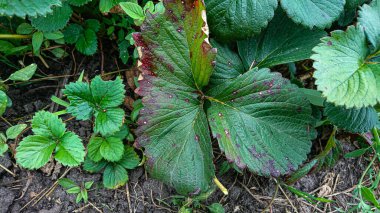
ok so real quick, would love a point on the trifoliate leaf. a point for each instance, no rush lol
(3, 102)
(281, 42)
(23, 8)
(14, 131)
(261, 122)
(108, 121)
(37, 39)
(101, 100)
(228, 64)
(114, 176)
(349, 12)
(54, 21)
(313, 13)
(34, 151)
(87, 42)
(112, 149)
(48, 125)
(92, 166)
(70, 150)
(94, 149)
(353, 120)
(78, 3)
(107, 93)
(235, 20)
(369, 18)
(172, 125)
(130, 158)
(72, 33)
(342, 72)
(24, 74)
(24, 29)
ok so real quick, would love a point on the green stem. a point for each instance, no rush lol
(376, 136)
(14, 36)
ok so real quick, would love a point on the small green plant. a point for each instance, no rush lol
(138, 13)
(72, 188)
(50, 136)
(11, 134)
(23, 74)
(101, 100)
(114, 171)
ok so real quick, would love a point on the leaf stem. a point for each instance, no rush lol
(220, 186)
(376, 136)
(14, 36)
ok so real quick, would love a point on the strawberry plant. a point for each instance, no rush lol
(72, 188)
(191, 84)
(11, 134)
(50, 136)
(101, 100)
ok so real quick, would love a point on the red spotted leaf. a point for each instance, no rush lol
(176, 60)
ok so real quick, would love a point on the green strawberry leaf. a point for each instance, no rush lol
(92, 166)
(281, 42)
(70, 150)
(22, 8)
(94, 149)
(107, 93)
(3, 102)
(109, 121)
(72, 33)
(87, 42)
(24, 29)
(172, 125)
(24, 74)
(133, 10)
(34, 151)
(369, 18)
(313, 13)
(349, 12)
(130, 159)
(114, 176)
(48, 125)
(235, 20)
(228, 66)
(54, 21)
(342, 72)
(353, 120)
(14, 131)
(81, 100)
(112, 149)
(261, 122)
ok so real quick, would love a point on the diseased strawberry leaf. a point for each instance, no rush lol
(261, 122)
(176, 61)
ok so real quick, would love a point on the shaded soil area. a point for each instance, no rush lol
(36, 191)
